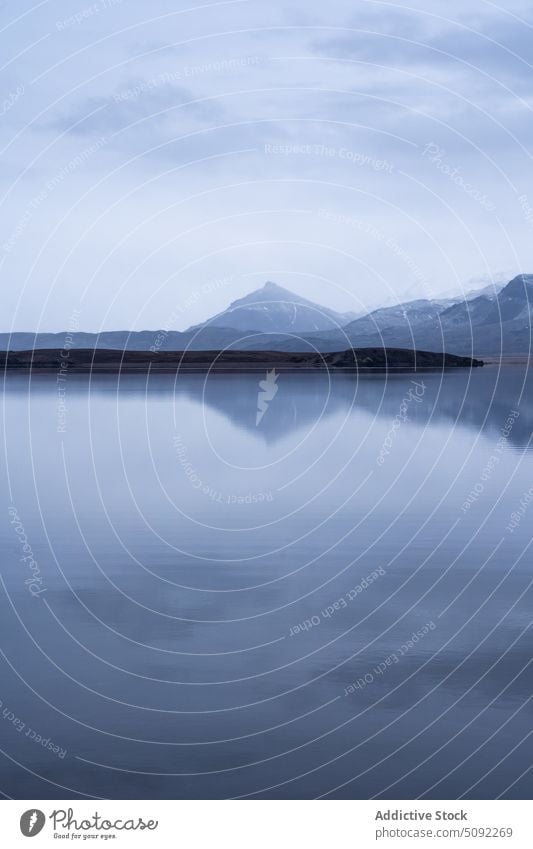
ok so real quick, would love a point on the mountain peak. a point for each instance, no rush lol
(271, 292)
(520, 286)
(273, 309)
(523, 278)
(272, 289)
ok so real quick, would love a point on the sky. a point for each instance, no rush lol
(160, 160)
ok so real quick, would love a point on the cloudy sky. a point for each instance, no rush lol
(164, 158)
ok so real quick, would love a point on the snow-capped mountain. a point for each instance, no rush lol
(272, 318)
(486, 324)
(273, 309)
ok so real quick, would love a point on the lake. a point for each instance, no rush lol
(329, 599)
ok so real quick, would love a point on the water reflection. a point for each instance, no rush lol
(198, 640)
(481, 399)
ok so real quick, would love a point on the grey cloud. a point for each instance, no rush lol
(124, 75)
(153, 102)
(500, 48)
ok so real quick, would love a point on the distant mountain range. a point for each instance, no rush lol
(492, 321)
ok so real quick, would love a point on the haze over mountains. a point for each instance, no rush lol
(273, 318)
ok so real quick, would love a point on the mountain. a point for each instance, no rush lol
(272, 318)
(489, 285)
(484, 325)
(123, 340)
(273, 309)
(268, 310)
(413, 312)
(491, 290)
(487, 324)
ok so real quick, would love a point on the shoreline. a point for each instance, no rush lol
(110, 361)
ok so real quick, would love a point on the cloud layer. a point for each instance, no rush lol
(358, 153)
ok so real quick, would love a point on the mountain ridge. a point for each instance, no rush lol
(483, 325)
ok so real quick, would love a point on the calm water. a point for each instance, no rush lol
(211, 607)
